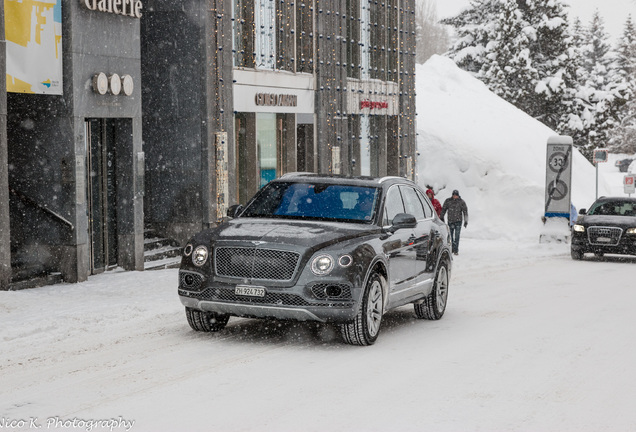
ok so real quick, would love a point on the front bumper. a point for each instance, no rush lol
(314, 301)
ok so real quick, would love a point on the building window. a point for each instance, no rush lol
(365, 40)
(304, 36)
(353, 38)
(265, 40)
(243, 29)
(377, 40)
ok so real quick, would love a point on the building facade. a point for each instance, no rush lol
(265, 87)
(173, 110)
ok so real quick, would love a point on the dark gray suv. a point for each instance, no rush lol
(608, 227)
(320, 248)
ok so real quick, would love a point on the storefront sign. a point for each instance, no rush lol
(272, 99)
(131, 8)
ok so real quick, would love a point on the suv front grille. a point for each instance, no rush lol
(607, 236)
(252, 263)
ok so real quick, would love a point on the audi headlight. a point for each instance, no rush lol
(578, 228)
(322, 265)
(199, 256)
(631, 231)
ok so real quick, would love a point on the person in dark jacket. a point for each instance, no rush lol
(436, 205)
(457, 211)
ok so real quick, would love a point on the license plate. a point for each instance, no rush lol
(603, 239)
(250, 291)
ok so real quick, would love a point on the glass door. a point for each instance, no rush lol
(102, 194)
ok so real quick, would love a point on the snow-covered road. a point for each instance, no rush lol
(531, 341)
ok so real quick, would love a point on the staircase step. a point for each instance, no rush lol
(35, 282)
(165, 263)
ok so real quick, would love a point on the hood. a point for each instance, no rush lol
(430, 193)
(291, 232)
(622, 221)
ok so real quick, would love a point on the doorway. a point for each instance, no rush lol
(102, 194)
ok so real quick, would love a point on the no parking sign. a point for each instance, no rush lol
(629, 182)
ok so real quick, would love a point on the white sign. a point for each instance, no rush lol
(558, 176)
(629, 182)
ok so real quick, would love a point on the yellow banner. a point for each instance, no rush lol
(34, 46)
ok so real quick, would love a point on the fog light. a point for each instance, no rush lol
(333, 291)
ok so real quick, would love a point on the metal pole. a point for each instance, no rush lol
(596, 164)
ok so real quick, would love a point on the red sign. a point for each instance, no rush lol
(373, 104)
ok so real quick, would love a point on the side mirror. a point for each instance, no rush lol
(403, 220)
(234, 210)
(583, 211)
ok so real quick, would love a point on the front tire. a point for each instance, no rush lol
(206, 321)
(364, 329)
(576, 254)
(434, 305)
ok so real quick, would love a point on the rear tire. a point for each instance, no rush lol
(206, 321)
(364, 329)
(434, 305)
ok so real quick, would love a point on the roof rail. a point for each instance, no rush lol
(386, 178)
(294, 174)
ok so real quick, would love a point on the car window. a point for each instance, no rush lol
(613, 208)
(428, 210)
(392, 206)
(412, 202)
(314, 201)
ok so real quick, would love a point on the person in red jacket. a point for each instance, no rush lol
(436, 205)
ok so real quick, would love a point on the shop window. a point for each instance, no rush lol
(266, 137)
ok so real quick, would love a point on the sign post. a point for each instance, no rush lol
(600, 155)
(629, 183)
(558, 177)
(558, 182)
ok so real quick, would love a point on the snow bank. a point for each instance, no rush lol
(472, 140)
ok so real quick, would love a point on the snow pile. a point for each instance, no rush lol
(495, 155)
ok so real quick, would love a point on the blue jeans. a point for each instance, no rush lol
(455, 229)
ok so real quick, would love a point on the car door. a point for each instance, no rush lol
(398, 246)
(422, 238)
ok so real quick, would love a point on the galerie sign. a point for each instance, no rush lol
(131, 8)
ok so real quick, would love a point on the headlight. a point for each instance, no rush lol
(631, 231)
(199, 256)
(322, 265)
(578, 228)
(187, 251)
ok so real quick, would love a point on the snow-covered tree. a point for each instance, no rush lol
(526, 52)
(474, 27)
(431, 36)
(623, 137)
(603, 90)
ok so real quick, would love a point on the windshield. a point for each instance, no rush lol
(614, 208)
(314, 201)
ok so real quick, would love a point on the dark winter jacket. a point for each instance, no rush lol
(456, 208)
(436, 205)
